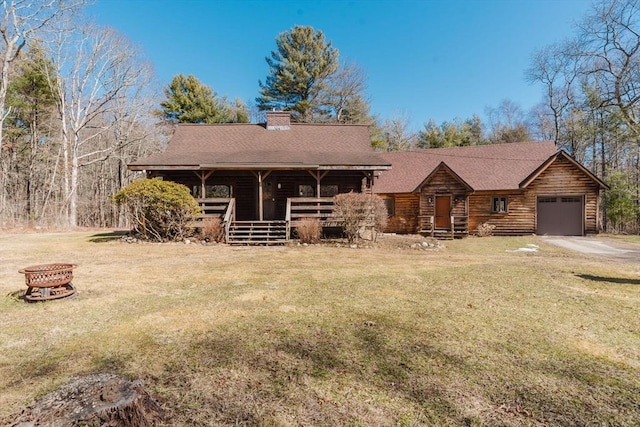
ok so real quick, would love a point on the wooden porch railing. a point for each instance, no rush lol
(215, 207)
(320, 208)
(459, 226)
(229, 216)
(218, 207)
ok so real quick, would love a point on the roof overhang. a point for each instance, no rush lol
(256, 166)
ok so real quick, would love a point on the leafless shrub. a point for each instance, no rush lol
(309, 230)
(212, 230)
(358, 210)
(485, 229)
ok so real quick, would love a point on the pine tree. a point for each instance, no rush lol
(189, 101)
(29, 127)
(298, 74)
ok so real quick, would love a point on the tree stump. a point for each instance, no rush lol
(96, 400)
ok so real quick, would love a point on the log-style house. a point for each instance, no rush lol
(519, 188)
(262, 178)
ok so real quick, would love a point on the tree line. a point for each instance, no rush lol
(78, 102)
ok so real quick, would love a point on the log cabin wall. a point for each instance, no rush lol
(519, 218)
(443, 183)
(404, 219)
(563, 178)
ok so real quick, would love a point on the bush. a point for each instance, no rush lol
(485, 229)
(158, 210)
(212, 230)
(309, 230)
(357, 210)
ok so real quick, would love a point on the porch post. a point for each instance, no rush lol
(260, 201)
(203, 179)
(369, 175)
(261, 179)
(203, 191)
(318, 176)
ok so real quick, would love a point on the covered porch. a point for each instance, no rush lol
(262, 231)
(263, 206)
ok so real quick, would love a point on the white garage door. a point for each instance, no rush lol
(560, 216)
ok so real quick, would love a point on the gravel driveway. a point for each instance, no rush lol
(597, 246)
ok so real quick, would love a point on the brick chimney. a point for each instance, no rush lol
(278, 120)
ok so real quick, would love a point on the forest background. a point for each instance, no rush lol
(78, 102)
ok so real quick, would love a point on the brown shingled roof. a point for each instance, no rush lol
(254, 146)
(482, 167)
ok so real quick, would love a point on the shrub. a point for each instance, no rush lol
(212, 230)
(485, 229)
(309, 230)
(158, 210)
(357, 210)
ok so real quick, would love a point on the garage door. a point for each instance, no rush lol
(560, 216)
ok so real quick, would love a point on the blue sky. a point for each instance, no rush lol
(423, 59)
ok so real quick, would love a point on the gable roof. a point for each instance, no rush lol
(254, 146)
(481, 167)
(443, 166)
(536, 173)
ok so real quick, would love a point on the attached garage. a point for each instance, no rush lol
(560, 216)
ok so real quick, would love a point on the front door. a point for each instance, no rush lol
(269, 198)
(443, 212)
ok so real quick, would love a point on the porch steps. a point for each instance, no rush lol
(444, 234)
(257, 233)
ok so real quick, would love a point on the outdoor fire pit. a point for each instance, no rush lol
(48, 281)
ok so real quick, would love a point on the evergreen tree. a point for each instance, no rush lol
(619, 201)
(30, 126)
(189, 101)
(451, 134)
(299, 71)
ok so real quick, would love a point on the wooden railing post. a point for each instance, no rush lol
(287, 217)
(433, 225)
(453, 226)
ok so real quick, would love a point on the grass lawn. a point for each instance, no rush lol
(471, 334)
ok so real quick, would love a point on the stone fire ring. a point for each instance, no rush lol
(48, 281)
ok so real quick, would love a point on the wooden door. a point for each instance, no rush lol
(269, 198)
(443, 212)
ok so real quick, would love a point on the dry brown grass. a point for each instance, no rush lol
(471, 334)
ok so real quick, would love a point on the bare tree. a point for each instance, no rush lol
(98, 70)
(345, 95)
(507, 123)
(394, 135)
(608, 50)
(557, 72)
(21, 21)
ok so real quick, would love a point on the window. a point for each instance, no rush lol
(212, 191)
(391, 206)
(306, 191)
(547, 199)
(328, 190)
(571, 200)
(218, 191)
(499, 205)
